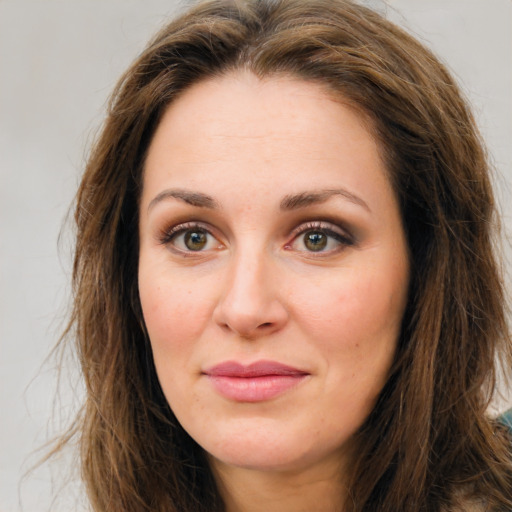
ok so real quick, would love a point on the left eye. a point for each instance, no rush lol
(318, 240)
(194, 239)
(315, 241)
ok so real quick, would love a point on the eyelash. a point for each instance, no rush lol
(326, 228)
(169, 235)
(343, 239)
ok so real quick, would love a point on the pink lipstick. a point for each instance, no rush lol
(256, 382)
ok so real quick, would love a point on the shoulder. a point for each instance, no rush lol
(506, 419)
(462, 504)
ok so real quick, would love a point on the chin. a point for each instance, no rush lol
(270, 451)
(261, 459)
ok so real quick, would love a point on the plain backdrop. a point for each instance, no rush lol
(59, 60)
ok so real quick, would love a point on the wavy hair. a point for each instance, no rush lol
(428, 439)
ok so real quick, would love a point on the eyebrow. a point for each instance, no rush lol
(193, 198)
(303, 199)
(288, 203)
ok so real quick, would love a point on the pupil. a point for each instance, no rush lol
(315, 241)
(195, 240)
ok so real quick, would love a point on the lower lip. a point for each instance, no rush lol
(254, 389)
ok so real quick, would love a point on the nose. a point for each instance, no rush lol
(250, 305)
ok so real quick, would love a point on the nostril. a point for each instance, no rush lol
(250, 318)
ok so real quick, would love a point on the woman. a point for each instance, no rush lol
(286, 294)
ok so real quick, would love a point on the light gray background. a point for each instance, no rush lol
(58, 62)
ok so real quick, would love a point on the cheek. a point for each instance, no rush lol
(174, 310)
(355, 322)
(175, 314)
(355, 310)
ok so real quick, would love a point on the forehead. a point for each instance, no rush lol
(253, 105)
(239, 130)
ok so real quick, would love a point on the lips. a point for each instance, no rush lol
(257, 382)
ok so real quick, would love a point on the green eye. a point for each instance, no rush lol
(315, 241)
(195, 240)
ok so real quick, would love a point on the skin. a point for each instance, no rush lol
(256, 290)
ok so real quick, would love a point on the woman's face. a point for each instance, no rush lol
(273, 270)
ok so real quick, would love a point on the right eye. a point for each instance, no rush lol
(191, 238)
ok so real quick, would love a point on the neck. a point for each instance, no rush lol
(248, 490)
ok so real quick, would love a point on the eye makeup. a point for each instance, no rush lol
(314, 238)
(319, 238)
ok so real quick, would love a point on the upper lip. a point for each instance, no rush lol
(256, 369)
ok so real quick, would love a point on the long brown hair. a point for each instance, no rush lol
(428, 439)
